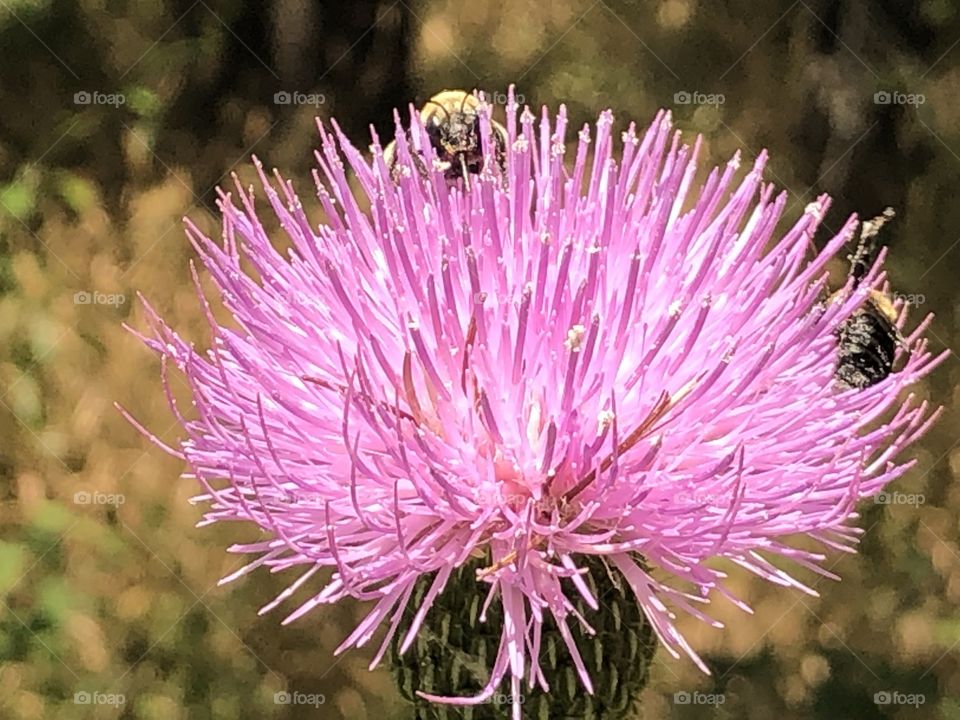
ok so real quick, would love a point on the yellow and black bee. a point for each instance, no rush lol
(452, 122)
(867, 340)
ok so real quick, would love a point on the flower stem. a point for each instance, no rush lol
(454, 651)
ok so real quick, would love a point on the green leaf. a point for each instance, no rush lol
(11, 565)
(53, 518)
(78, 192)
(17, 199)
(55, 598)
(143, 101)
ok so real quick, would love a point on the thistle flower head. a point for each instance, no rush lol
(593, 353)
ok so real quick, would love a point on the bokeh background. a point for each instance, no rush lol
(119, 118)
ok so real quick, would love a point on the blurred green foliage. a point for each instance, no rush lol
(120, 598)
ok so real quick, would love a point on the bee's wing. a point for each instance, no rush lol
(390, 154)
(500, 137)
(391, 159)
(500, 142)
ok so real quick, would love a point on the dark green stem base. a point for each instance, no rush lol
(453, 651)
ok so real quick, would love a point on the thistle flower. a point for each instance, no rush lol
(591, 366)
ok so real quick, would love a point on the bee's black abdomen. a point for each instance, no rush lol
(867, 342)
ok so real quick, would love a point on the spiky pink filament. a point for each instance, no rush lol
(610, 360)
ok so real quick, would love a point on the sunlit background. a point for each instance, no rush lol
(119, 118)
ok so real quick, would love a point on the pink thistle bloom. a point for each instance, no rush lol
(593, 355)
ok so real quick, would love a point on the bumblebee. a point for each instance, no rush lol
(867, 340)
(452, 121)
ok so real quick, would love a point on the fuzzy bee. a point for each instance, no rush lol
(452, 121)
(867, 340)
